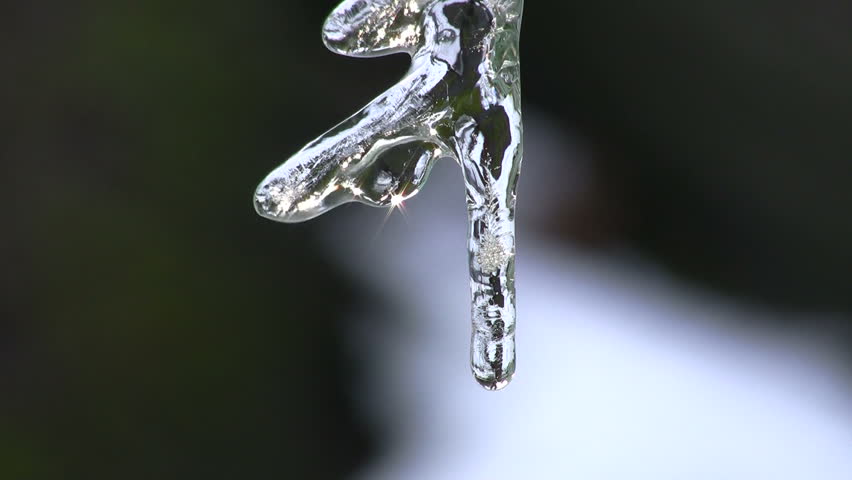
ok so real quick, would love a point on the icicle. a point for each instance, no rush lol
(461, 99)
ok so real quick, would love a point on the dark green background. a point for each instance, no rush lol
(152, 326)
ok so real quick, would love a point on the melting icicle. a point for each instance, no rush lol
(461, 99)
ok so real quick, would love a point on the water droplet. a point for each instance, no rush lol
(446, 36)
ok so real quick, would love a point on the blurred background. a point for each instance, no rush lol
(685, 252)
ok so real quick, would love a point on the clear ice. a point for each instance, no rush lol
(460, 99)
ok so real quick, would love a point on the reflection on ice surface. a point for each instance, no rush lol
(623, 373)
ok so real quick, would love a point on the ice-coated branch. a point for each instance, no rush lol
(461, 99)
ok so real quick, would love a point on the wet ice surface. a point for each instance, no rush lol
(627, 373)
(461, 100)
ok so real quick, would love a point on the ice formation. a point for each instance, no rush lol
(461, 99)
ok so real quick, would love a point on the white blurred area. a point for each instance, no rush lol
(622, 372)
